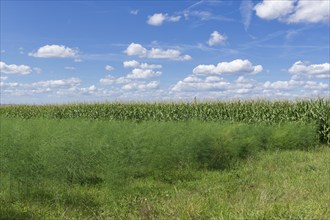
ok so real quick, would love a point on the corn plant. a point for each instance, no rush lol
(316, 111)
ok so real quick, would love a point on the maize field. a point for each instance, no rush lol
(273, 112)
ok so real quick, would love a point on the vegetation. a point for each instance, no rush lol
(271, 185)
(238, 111)
(244, 160)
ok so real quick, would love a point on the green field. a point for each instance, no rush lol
(226, 160)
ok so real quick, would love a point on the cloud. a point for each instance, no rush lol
(15, 69)
(6, 85)
(158, 19)
(78, 91)
(52, 88)
(48, 84)
(69, 68)
(130, 83)
(300, 84)
(193, 84)
(216, 38)
(108, 80)
(136, 64)
(311, 12)
(37, 70)
(274, 9)
(295, 88)
(155, 53)
(215, 87)
(205, 15)
(277, 85)
(316, 70)
(136, 80)
(246, 9)
(141, 86)
(109, 68)
(21, 50)
(131, 64)
(136, 50)
(234, 67)
(174, 18)
(141, 71)
(143, 74)
(203, 84)
(3, 78)
(134, 12)
(58, 83)
(55, 51)
(294, 11)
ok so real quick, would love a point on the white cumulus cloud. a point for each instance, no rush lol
(294, 11)
(131, 64)
(142, 70)
(316, 70)
(299, 86)
(195, 84)
(141, 85)
(155, 53)
(216, 38)
(311, 12)
(150, 66)
(136, 64)
(136, 79)
(55, 51)
(79, 91)
(108, 80)
(15, 69)
(109, 68)
(136, 50)
(237, 66)
(143, 74)
(51, 88)
(58, 83)
(215, 87)
(274, 9)
(158, 19)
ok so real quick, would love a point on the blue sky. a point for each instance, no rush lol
(82, 51)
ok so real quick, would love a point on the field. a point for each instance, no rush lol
(221, 160)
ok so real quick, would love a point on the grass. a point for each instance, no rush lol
(83, 169)
(250, 111)
(273, 185)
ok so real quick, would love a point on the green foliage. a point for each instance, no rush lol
(274, 112)
(159, 160)
(273, 185)
(92, 152)
(292, 136)
(234, 142)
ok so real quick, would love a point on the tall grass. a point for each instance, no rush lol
(274, 112)
(90, 168)
(91, 152)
